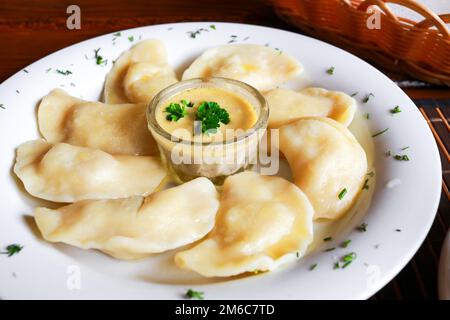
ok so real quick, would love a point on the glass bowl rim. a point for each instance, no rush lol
(261, 122)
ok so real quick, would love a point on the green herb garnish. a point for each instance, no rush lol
(330, 70)
(336, 265)
(330, 249)
(131, 38)
(346, 243)
(342, 194)
(1, 106)
(12, 249)
(395, 110)
(367, 116)
(194, 34)
(398, 230)
(117, 34)
(192, 294)
(211, 115)
(175, 111)
(354, 94)
(48, 70)
(213, 27)
(328, 239)
(312, 267)
(98, 58)
(362, 227)
(379, 132)
(347, 259)
(187, 104)
(403, 149)
(403, 157)
(367, 97)
(366, 185)
(64, 72)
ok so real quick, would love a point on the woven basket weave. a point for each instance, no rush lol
(421, 50)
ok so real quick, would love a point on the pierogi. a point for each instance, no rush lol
(139, 74)
(263, 221)
(135, 227)
(113, 128)
(327, 163)
(288, 105)
(65, 173)
(259, 66)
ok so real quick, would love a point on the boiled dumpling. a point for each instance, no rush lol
(139, 74)
(116, 129)
(288, 105)
(66, 173)
(259, 66)
(134, 227)
(327, 163)
(263, 221)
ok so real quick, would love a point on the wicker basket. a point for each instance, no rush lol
(421, 50)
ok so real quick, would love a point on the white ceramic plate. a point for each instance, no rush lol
(44, 270)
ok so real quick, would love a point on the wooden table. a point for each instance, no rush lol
(30, 30)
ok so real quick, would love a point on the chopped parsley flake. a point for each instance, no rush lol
(330, 70)
(398, 230)
(131, 38)
(213, 27)
(336, 265)
(366, 185)
(211, 115)
(395, 110)
(1, 106)
(99, 59)
(346, 243)
(312, 267)
(25, 70)
(379, 133)
(12, 249)
(194, 34)
(342, 194)
(117, 34)
(367, 97)
(330, 249)
(403, 149)
(354, 94)
(362, 227)
(64, 72)
(192, 294)
(403, 157)
(367, 116)
(328, 239)
(48, 70)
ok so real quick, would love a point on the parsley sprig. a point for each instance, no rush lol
(211, 115)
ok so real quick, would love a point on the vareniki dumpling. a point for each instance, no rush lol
(259, 66)
(135, 227)
(139, 74)
(67, 173)
(113, 128)
(288, 105)
(263, 221)
(327, 163)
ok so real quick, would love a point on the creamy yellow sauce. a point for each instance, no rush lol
(242, 114)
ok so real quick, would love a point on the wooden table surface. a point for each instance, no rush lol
(32, 29)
